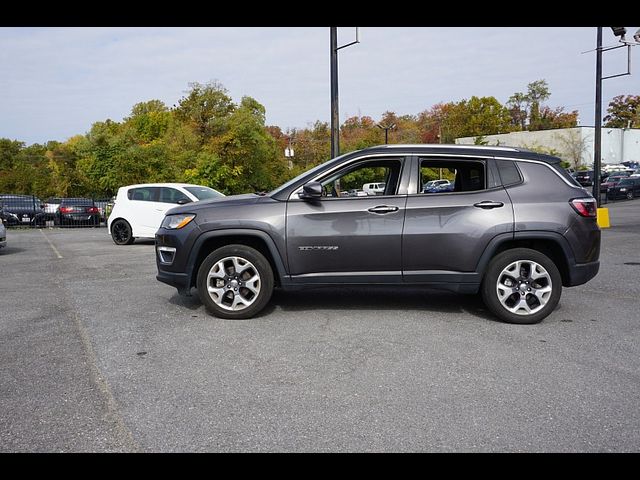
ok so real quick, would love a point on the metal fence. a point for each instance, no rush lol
(24, 211)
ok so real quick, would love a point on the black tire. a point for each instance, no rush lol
(629, 195)
(121, 232)
(262, 268)
(489, 288)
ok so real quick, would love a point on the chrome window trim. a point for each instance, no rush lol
(294, 194)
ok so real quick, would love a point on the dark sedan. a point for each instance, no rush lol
(584, 177)
(625, 188)
(22, 210)
(78, 211)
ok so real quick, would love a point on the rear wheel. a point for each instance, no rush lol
(121, 232)
(521, 286)
(235, 282)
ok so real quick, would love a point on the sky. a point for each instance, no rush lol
(55, 82)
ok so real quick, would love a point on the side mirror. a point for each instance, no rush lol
(183, 201)
(311, 190)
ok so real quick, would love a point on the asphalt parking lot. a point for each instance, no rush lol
(96, 355)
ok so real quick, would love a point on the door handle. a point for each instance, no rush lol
(382, 209)
(487, 204)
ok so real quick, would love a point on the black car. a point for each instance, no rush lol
(584, 178)
(516, 228)
(77, 211)
(22, 210)
(625, 188)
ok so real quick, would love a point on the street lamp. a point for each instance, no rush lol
(386, 129)
(335, 117)
(597, 144)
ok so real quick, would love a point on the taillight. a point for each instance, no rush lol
(586, 207)
(92, 210)
(66, 209)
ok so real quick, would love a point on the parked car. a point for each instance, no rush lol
(433, 186)
(626, 188)
(139, 209)
(584, 177)
(611, 182)
(3, 231)
(376, 188)
(22, 210)
(77, 211)
(516, 230)
(51, 205)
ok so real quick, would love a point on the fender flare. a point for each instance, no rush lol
(498, 240)
(235, 232)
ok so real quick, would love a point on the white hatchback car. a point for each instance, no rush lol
(139, 209)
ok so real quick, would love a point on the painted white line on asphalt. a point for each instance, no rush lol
(53, 247)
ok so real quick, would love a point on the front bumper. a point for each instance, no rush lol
(180, 281)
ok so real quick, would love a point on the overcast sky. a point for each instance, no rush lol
(55, 82)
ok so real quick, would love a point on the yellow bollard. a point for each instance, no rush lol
(603, 218)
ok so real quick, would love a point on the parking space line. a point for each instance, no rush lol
(53, 247)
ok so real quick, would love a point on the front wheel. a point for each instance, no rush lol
(121, 232)
(629, 195)
(235, 282)
(521, 286)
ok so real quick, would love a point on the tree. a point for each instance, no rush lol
(537, 92)
(623, 112)
(573, 147)
(525, 108)
(148, 121)
(248, 148)
(205, 107)
(518, 109)
(475, 117)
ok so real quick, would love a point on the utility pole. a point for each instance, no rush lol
(597, 144)
(335, 117)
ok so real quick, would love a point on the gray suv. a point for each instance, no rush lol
(515, 228)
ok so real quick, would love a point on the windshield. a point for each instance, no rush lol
(203, 193)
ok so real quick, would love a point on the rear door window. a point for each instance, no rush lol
(144, 194)
(462, 175)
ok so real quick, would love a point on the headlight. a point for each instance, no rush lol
(623, 189)
(176, 222)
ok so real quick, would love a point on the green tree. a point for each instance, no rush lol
(205, 107)
(246, 146)
(623, 112)
(476, 117)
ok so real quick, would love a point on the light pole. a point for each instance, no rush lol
(597, 143)
(335, 117)
(386, 129)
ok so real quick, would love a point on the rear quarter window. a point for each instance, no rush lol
(509, 173)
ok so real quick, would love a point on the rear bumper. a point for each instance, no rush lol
(581, 273)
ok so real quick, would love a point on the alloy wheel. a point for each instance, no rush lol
(233, 283)
(524, 287)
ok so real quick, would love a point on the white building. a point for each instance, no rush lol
(574, 145)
